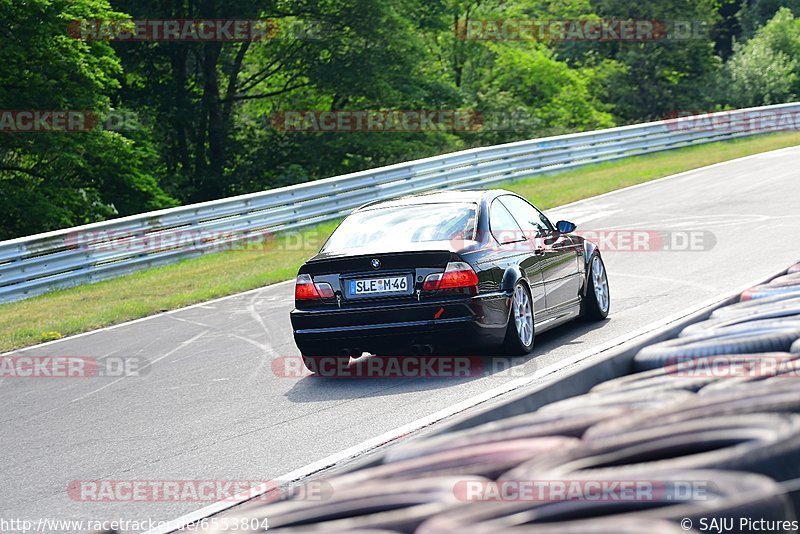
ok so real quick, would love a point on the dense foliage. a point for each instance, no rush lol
(184, 122)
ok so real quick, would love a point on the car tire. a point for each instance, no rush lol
(483, 460)
(617, 523)
(668, 380)
(749, 307)
(778, 365)
(722, 404)
(635, 400)
(786, 279)
(520, 317)
(715, 344)
(525, 426)
(753, 325)
(770, 290)
(372, 507)
(731, 494)
(596, 303)
(754, 316)
(764, 443)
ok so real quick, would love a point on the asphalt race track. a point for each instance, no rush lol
(210, 406)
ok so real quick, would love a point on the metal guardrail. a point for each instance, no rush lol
(84, 254)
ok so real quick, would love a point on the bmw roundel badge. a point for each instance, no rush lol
(376, 263)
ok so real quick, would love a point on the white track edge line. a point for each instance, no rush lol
(148, 317)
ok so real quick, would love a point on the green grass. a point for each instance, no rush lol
(79, 309)
(69, 311)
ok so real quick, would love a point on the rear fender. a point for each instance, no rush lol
(589, 249)
(511, 276)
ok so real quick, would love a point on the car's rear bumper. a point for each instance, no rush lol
(462, 324)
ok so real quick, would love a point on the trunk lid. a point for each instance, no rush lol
(379, 278)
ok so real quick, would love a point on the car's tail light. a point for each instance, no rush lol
(324, 289)
(456, 275)
(432, 282)
(306, 289)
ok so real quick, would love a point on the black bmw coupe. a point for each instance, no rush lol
(442, 272)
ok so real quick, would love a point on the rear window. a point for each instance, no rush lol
(395, 226)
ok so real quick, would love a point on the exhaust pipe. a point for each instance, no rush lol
(421, 350)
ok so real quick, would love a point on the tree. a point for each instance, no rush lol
(755, 13)
(209, 101)
(203, 110)
(50, 180)
(764, 70)
(657, 76)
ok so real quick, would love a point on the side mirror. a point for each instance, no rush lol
(566, 227)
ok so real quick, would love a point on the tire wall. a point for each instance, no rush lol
(711, 401)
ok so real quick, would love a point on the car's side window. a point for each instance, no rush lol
(532, 221)
(503, 226)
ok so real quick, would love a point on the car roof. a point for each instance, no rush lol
(436, 197)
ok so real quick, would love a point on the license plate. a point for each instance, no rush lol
(379, 286)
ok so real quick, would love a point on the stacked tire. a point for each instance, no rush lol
(715, 408)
